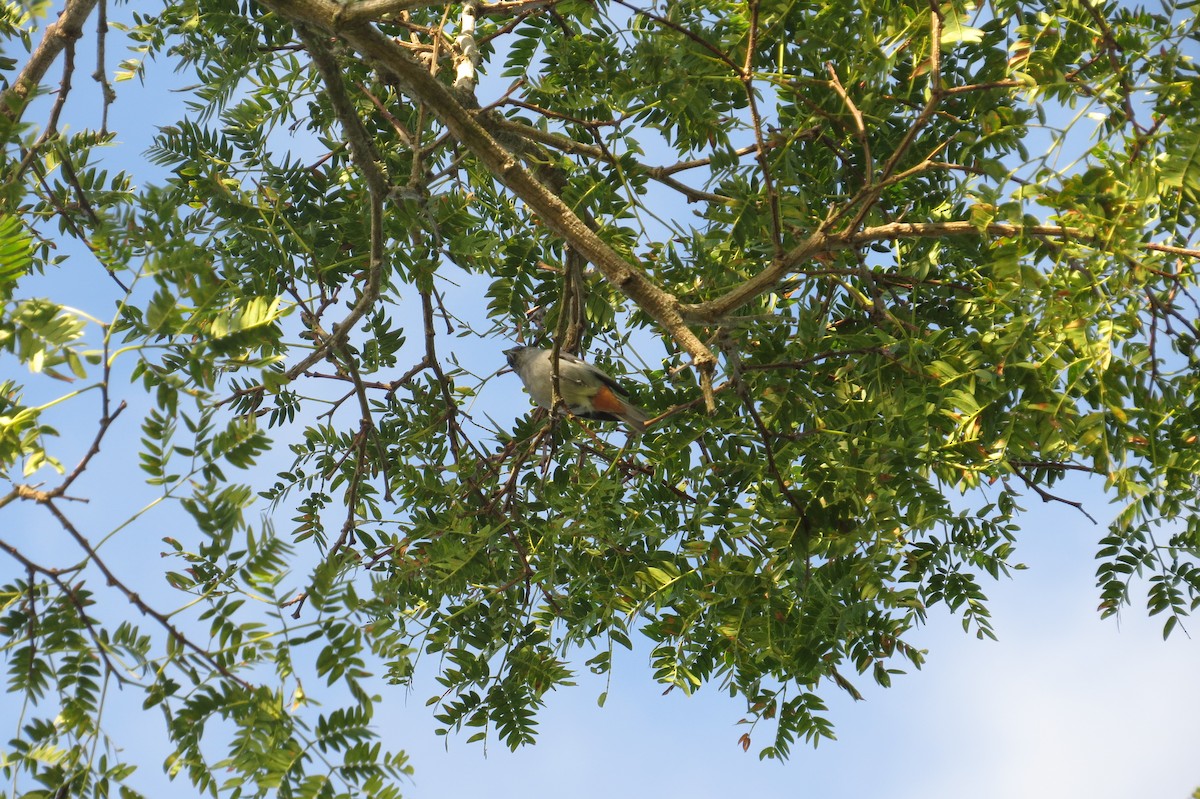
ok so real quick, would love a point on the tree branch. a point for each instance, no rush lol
(357, 13)
(68, 28)
(568, 145)
(368, 162)
(55, 575)
(870, 193)
(138, 602)
(1048, 497)
(657, 303)
(820, 242)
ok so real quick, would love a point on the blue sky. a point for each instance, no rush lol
(1063, 705)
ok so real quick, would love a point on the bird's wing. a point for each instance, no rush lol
(592, 370)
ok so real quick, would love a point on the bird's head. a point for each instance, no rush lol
(517, 356)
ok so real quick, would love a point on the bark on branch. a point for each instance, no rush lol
(356, 13)
(385, 55)
(68, 28)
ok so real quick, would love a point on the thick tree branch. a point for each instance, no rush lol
(356, 13)
(466, 61)
(362, 147)
(657, 303)
(68, 28)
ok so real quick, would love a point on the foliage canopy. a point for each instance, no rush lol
(891, 268)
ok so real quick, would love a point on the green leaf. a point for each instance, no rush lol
(16, 254)
(1181, 165)
(955, 28)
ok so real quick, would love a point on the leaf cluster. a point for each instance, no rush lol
(882, 283)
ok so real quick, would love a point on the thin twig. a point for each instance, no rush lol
(98, 643)
(369, 164)
(101, 73)
(821, 242)
(860, 129)
(1048, 497)
(137, 601)
(568, 145)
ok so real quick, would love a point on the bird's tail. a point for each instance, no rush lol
(633, 417)
(608, 404)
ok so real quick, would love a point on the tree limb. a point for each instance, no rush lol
(820, 242)
(657, 303)
(357, 13)
(568, 145)
(68, 28)
(365, 157)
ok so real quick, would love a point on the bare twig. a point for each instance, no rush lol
(106, 421)
(735, 368)
(1186, 252)
(360, 467)
(1111, 50)
(1048, 497)
(717, 52)
(101, 73)
(1052, 466)
(873, 188)
(821, 356)
(860, 129)
(746, 74)
(980, 87)
(693, 163)
(568, 145)
(107, 417)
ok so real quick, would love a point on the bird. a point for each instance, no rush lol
(586, 391)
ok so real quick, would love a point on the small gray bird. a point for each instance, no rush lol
(586, 391)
